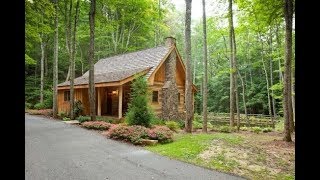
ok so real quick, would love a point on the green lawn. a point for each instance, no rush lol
(247, 155)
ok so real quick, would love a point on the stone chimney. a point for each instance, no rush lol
(169, 90)
(170, 41)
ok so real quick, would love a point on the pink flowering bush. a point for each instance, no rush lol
(161, 133)
(98, 125)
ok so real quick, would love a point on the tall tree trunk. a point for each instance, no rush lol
(271, 79)
(205, 64)
(235, 64)
(279, 61)
(91, 60)
(81, 60)
(188, 93)
(244, 98)
(68, 33)
(267, 80)
(43, 47)
(72, 62)
(55, 63)
(46, 62)
(232, 98)
(287, 107)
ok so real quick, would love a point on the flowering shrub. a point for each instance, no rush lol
(161, 133)
(98, 125)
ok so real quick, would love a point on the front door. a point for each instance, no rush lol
(109, 103)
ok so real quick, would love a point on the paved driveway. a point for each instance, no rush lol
(55, 150)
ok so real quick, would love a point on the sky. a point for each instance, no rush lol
(196, 7)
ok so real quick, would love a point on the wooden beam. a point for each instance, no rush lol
(120, 101)
(99, 101)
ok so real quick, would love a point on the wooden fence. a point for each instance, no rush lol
(253, 119)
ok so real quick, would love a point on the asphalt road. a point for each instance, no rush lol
(55, 150)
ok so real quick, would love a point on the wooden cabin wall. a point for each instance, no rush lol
(64, 106)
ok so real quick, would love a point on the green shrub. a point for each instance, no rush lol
(244, 128)
(39, 106)
(172, 125)
(197, 117)
(256, 129)
(157, 121)
(161, 133)
(78, 108)
(62, 114)
(48, 99)
(225, 129)
(98, 125)
(267, 129)
(196, 125)
(28, 105)
(279, 126)
(139, 113)
(82, 119)
(66, 119)
(181, 123)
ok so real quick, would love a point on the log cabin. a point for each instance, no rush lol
(163, 68)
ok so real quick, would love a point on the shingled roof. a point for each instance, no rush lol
(122, 66)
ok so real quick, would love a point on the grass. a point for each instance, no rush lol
(251, 155)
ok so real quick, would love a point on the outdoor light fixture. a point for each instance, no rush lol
(114, 92)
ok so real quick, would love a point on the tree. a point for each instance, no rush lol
(55, 62)
(188, 93)
(139, 113)
(72, 63)
(287, 106)
(232, 79)
(205, 64)
(91, 61)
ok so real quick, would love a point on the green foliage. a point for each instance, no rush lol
(39, 106)
(244, 128)
(172, 125)
(181, 123)
(66, 119)
(82, 119)
(63, 114)
(256, 129)
(267, 129)
(157, 121)
(28, 105)
(279, 126)
(139, 113)
(196, 125)
(225, 129)
(78, 108)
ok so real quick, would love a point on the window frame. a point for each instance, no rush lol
(66, 96)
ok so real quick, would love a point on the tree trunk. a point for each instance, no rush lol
(287, 107)
(188, 93)
(205, 64)
(91, 60)
(235, 64)
(68, 33)
(72, 62)
(43, 47)
(279, 61)
(271, 79)
(267, 80)
(55, 63)
(232, 98)
(244, 98)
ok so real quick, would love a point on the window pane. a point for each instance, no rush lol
(155, 96)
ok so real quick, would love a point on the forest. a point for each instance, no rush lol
(242, 46)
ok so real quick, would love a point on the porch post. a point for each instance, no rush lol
(99, 101)
(120, 102)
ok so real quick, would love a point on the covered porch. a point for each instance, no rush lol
(112, 100)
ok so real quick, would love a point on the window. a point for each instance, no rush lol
(67, 96)
(155, 96)
(178, 98)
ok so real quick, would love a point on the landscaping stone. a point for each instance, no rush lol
(149, 142)
(72, 122)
